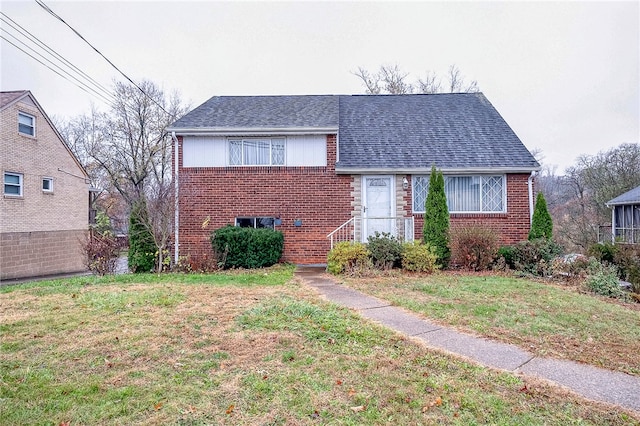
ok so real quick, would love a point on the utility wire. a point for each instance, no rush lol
(75, 81)
(55, 71)
(52, 13)
(24, 32)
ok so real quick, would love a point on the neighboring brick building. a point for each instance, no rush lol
(348, 166)
(45, 199)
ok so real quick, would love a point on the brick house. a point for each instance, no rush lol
(45, 200)
(327, 168)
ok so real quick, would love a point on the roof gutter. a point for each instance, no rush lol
(253, 131)
(530, 186)
(446, 171)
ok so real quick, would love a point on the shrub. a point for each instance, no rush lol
(101, 253)
(237, 247)
(419, 257)
(605, 283)
(385, 250)
(348, 257)
(196, 263)
(604, 252)
(473, 247)
(627, 259)
(435, 230)
(142, 248)
(508, 254)
(534, 256)
(576, 266)
(541, 223)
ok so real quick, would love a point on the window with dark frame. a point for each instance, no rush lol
(47, 184)
(255, 222)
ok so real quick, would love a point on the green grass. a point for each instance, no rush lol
(547, 319)
(241, 348)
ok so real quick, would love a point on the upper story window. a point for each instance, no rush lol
(256, 152)
(13, 184)
(26, 124)
(465, 194)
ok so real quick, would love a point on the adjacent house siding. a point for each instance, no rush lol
(40, 231)
(212, 197)
(511, 227)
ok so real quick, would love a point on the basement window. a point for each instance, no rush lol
(255, 222)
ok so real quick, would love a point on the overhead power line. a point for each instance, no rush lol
(55, 15)
(42, 45)
(105, 96)
(55, 71)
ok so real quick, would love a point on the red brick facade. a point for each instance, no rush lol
(512, 226)
(212, 197)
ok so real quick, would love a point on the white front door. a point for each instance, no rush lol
(378, 197)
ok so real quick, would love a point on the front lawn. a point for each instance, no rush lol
(545, 319)
(240, 348)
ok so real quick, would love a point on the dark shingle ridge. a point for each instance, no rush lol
(263, 111)
(415, 131)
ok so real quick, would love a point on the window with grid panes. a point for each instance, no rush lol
(256, 152)
(465, 194)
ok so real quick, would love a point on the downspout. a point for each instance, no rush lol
(176, 209)
(530, 185)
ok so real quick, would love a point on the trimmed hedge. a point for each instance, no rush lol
(250, 248)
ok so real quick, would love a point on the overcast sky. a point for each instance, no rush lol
(564, 75)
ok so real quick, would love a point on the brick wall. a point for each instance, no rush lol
(511, 227)
(31, 254)
(40, 231)
(66, 208)
(213, 197)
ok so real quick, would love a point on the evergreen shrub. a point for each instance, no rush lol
(385, 249)
(250, 248)
(435, 230)
(541, 222)
(142, 248)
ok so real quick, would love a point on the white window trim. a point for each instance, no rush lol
(270, 139)
(504, 194)
(20, 184)
(50, 179)
(33, 121)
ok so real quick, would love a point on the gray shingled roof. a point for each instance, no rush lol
(7, 98)
(381, 132)
(450, 131)
(246, 112)
(629, 197)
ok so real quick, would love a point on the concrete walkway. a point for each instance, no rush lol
(591, 382)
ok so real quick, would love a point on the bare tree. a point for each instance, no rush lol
(371, 81)
(577, 200)
(392, 79)
(430, 84)
(130, 151)
(457, 83)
